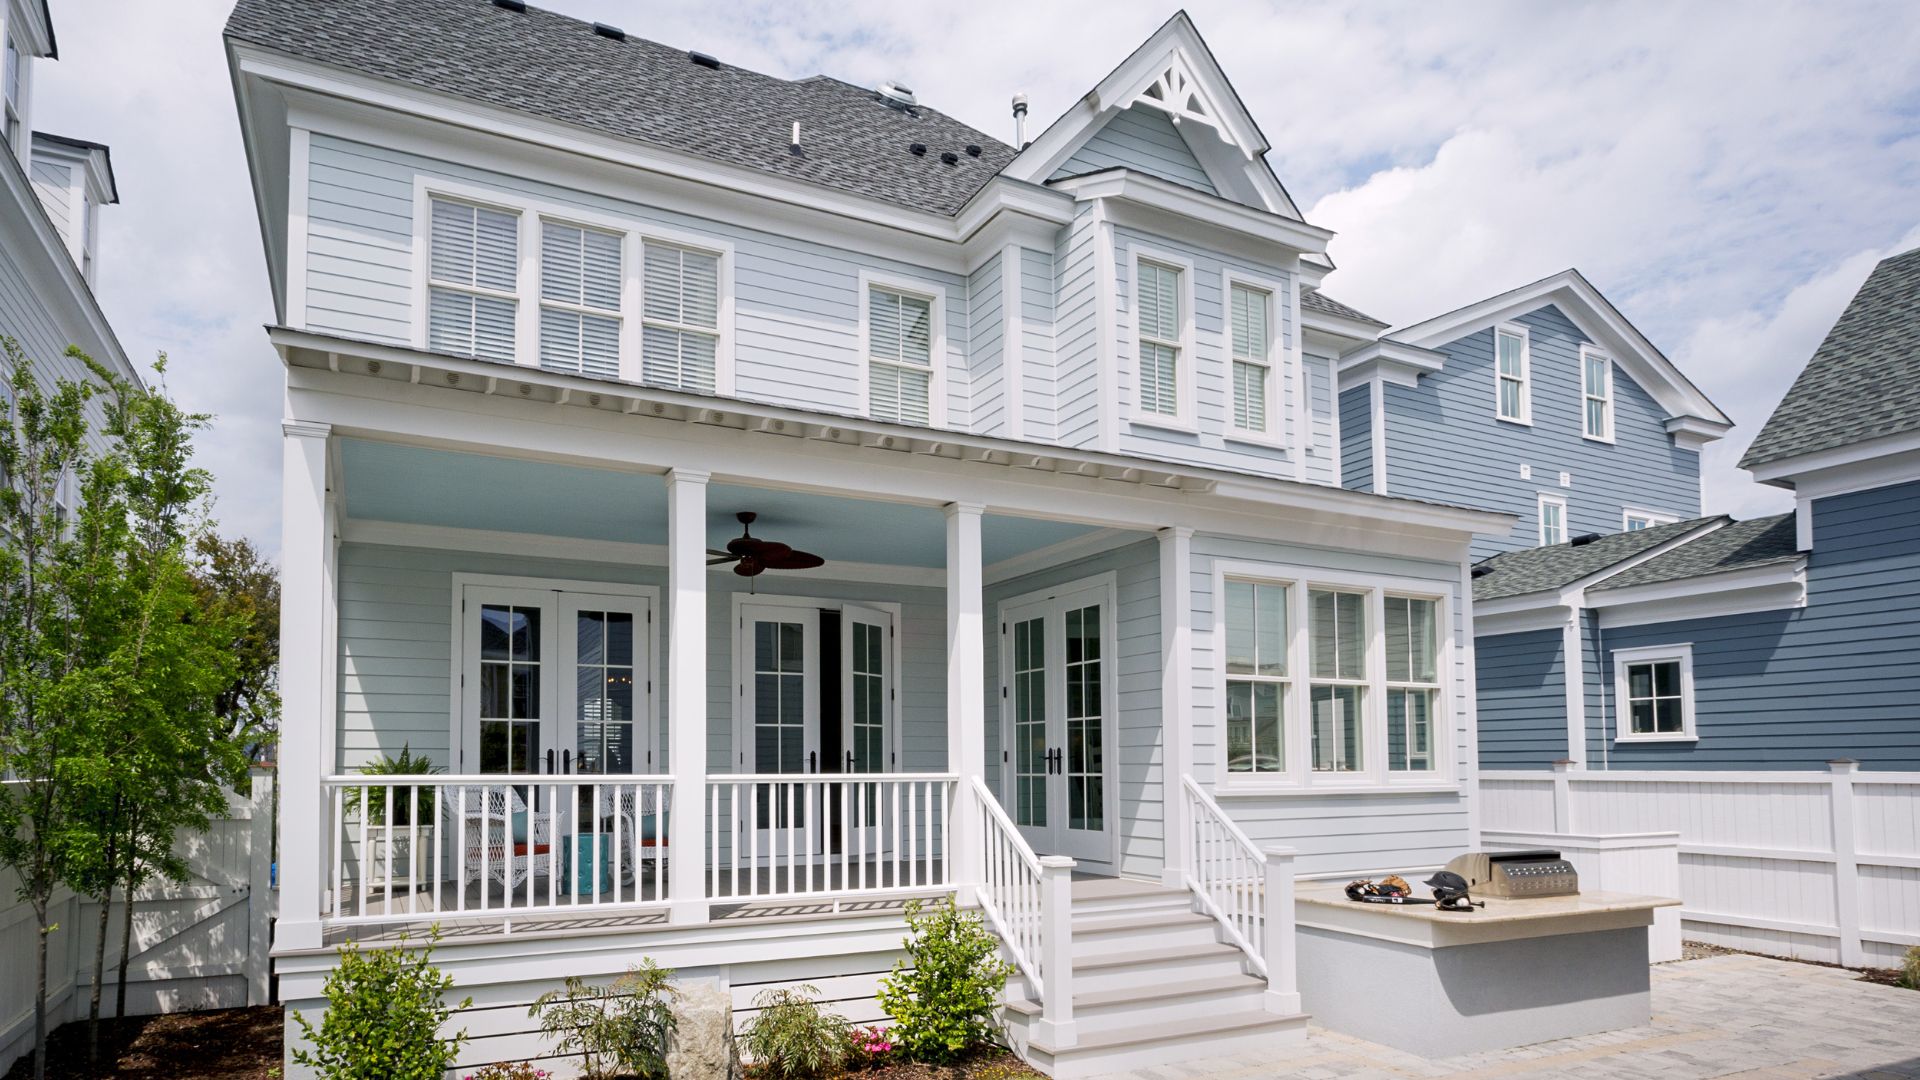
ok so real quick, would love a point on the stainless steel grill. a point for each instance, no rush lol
(1516, 874)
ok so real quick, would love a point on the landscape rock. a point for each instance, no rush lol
(703, 1046)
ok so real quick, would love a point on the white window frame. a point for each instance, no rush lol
(635, 235)
(13, 124)
(1298, 777)
(1526, 374)
(1277, 360)
(518, 296)
(1437, 686)
(1540, 518)
(630, 285)
(936, 296)
(1589, 352)
(1653, 518)
(1623, 713)
(740, 723)
(1182, 418)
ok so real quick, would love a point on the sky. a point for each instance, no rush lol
(1727, 173)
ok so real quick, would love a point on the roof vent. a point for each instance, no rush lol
(950, 158)
(918, 149)
(900, 97)
(606, 31)
(511, 5)
(1584, 539)
(973, 149)
(703, 60)
(1481, 571)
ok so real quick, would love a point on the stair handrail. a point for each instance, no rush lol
(1227, 873)
(1010, 886)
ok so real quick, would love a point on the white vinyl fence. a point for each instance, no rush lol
(201, 944)
(1814, 865)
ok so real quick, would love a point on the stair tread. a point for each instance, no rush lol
(1132, 957)
(1106, 922)
(1212, 984)
(1246, 1020)
(1117, 888)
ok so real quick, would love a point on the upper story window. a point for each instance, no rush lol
(1162, 327)
(1596, 386)
(580, 284)
(1248, 312)
(1337, 628)
(1413, 682)
(1513, 384)
(1653, 693)
(680, 318)
(473, 280)
(1553, 520)
(1632, 520)
(1258, 676)
(901, 384)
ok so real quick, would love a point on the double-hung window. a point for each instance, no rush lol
(900, 367)
(680, 333)
(1337, 629)
(1632, 520)
(1248, 310)
(1258, 681)
(473, 280)
(1511, 363)
(1653, 693)
(580, 284)
(1596, 386)
(1553, 520)
(1157, 289)
(1413, 682)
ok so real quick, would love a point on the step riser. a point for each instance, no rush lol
(1096, 1018)
(1171, 903)
(1145, 937)
(1285, 1037)
(1158, 974)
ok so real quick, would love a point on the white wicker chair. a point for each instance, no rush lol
(480, 821)
(635, 807)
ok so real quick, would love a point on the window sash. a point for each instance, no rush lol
(1161, 329)
(473, 268)
(1510, 351)
(1597, 386)
(901, 339)
(1553, 523)
(1337, 655)
(1412, 641)
(582, 276)
(679, 317)
(1660, 701)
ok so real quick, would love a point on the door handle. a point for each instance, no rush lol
(813, 761)
(549, 762)
(566, 762)
(849, 761)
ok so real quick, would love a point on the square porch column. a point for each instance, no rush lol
(306, 596)
(687, 694)
(1176, 698)
(966, 688)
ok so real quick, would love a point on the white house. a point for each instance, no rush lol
(558, 307)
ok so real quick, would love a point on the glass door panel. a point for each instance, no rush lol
(782, 714)
(866, 728)
(1032, 762)
(1058, 699)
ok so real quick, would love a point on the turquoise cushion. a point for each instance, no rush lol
(519, 826)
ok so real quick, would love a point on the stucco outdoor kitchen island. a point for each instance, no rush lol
(1442, 983)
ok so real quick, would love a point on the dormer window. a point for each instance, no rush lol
(1596, 385)
(473, 274)
(900, 351)
(580, 272)
(1513, 392)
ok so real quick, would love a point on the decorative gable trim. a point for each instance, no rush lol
(1177, 93)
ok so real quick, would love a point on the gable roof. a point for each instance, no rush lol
(1863, 382)
(1315, 300)
(1542, 569)
(555, 68)
(1738, 546)
(1596, 317)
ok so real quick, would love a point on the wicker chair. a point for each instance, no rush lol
(482, 821)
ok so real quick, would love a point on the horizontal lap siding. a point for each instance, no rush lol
(986, 368)
(1523, 703)
(1321, 427)
(1356, 438)
(1443, 442)
(53, 184)
(1791, 689)
(1140, 138)
(1037, 312)
(30, 315)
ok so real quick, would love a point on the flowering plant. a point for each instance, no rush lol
(509, 1070)
(868, 1046)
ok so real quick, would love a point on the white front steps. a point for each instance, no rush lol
(1153, 985)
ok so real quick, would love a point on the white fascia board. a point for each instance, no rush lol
(90, 160)
(1350, 333)
(1860, 466)
(31, 20)
(1518, 614)
(1599, 320)
(1772, 588)
(1394, 362)
(1124, 185)
(29, 235)
(1787, 572)
(1574, 593)
(1695, 432)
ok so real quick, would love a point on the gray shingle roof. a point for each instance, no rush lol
(556, 68)
(1863, 381)
(1531, 570)
(1315, 300)
(1738, 546)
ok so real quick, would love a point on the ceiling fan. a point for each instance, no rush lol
(752, 556)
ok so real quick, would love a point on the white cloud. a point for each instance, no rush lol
(1721, 171)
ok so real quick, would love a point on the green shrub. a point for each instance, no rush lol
(1910, 969)
(792, 1036)
(385, 1009)
(618, 1030)
(942, 996)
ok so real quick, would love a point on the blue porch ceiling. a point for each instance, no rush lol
(415, 486)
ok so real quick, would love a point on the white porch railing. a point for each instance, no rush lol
(403, 847)
(828, 836)
(1028, 899)
(1249, 891)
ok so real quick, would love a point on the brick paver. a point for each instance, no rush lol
(1722, 1016)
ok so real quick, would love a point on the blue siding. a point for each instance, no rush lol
(1140, 138)
(1356, 438)
(1443, 442)
(1523, 702)
(1837, 678)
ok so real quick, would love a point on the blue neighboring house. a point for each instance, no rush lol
(1775, 643)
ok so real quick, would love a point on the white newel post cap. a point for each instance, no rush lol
(1057, 862)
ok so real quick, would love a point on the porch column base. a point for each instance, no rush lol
(689, 912)
(296, 935)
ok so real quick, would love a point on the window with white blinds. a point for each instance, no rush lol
(680, 317)
(1248, 309)
(473, 276)
(1157, 298)
(899, 356)
(579, 299)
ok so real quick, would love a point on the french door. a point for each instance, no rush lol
(781, 703)
(866, 724)
(1057, 706)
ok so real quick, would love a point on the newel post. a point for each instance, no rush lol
(1056, 951)
(1277, 947)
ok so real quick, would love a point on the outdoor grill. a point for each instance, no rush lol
(1516, 874)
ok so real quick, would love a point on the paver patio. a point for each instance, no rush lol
(1744, 1016)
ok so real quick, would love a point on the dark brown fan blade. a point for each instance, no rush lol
(748, 567)
(716, 560)
(794, 560)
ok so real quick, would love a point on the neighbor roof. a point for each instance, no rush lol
(88, 146)
(1315, 300)
(1863, 381)
(1531, 570)
(556, 68)
(1739, 546)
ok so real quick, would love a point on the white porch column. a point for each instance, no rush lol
(1176, 697)
(966, 686)
(306, 594)
(687, 693)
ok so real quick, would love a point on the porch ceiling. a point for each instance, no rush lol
(416, 486)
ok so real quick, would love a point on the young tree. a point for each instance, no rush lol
(233, 577)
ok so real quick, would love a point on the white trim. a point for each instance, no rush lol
(1377, 434)
(1302, 404)
(1778, 587)
(1280, 356)
(740, 724)
(1540, 519)
(1653, 518)
(1395, 361)
(1622, 659)
(1182, 419)
(940, 364)
(1589, 352)
(1488, 622)
(1526, 374)
(1883, 463)
(1106, 301)
(299, 159)
(1573, 679)
(1138, 190)
(1064, 551)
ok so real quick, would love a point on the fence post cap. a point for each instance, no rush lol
(1562, 764)
(1278, 851)
(1843, 765)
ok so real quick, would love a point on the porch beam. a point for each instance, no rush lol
(966, 684)
(1176, 696)
(306, 595)
(687, 693)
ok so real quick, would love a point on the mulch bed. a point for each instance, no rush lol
(992, 1065)
(225, 1044)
